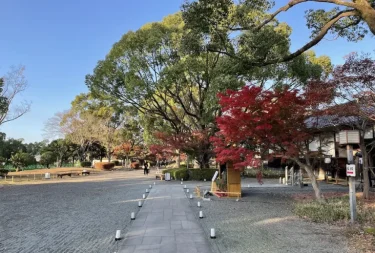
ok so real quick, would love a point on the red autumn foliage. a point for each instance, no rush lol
(355, 81)
(194, 143)
(254, 121)
(104, 165)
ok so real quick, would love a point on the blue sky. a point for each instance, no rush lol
(60, 42)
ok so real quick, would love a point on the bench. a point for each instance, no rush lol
(64, 174)
(159, 173)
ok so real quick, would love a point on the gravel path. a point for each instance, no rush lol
(68, 217)
(76, 216)
(262, 221)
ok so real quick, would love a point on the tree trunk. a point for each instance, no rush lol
(314, 182)
(310, 172)
(367, 14)
(371, 165)
(366, 180)
(178, 158)
(205, 162)
(109, 153)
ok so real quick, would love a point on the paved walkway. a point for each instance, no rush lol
(166, 224)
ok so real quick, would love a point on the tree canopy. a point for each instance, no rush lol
(172, 77)
(232, 26)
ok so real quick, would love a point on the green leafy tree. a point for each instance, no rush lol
(61, 148)
(21, 160)
(48, 158)
(249, 32)
(11, 146)
(172, 76)
(36, 147)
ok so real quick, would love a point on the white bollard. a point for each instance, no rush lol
(185, 186)
(139, 203)
(187, 190)
(199, 204)
(132, 216)
(181, 182)
(146, 190)
(213, 234)
(280, 180)
(118, 235)
(200, 214)
(191, 196)
(154, 183)
(150, 186)
(283, 180)
(144, 196)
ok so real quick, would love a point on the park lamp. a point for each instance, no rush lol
(327, 159)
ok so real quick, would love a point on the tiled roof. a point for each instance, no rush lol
(330, 121)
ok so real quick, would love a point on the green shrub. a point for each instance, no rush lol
(168, 171)
(181, 174)
(178, 173)
(370, 231)
(198, 174)
(86, 164)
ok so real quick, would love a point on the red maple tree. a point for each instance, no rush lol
(254, 121)
(355, 85)
(194, 144)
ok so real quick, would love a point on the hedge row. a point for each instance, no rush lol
(266, 173)
(86, 164)
(190, 174)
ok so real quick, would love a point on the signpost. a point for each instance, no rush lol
(348, 138)
(350, 172)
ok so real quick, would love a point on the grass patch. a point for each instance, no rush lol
(335, 209)
(370, 231)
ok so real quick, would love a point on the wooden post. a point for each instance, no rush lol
(286, 175)
(12, 178)
(233, 181)
(352, 197)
